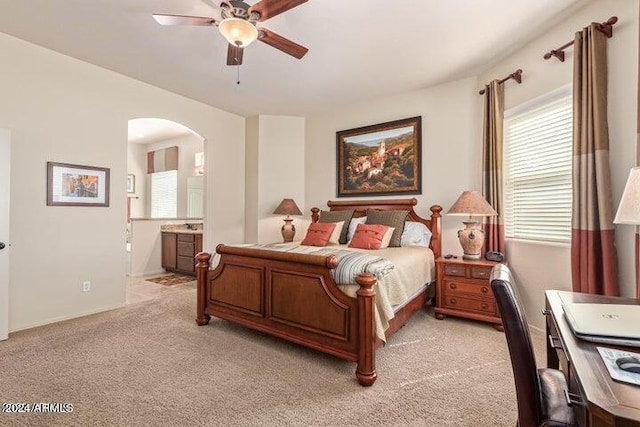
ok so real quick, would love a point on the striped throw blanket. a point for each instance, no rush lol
(350, 263)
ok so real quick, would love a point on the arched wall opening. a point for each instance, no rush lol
(165, 188)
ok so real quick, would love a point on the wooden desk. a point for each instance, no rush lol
(606, 402)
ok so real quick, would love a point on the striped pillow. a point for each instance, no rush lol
(390, 218)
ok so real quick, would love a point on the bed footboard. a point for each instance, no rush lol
(291, 296)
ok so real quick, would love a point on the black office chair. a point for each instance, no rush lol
(540, 392)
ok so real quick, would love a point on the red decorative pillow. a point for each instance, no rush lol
(318, 234)
(369, 236)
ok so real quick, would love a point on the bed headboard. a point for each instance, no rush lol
(361, 206)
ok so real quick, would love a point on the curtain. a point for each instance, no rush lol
(492, 164)
(162, 160)
(594, 261)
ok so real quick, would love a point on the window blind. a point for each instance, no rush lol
(164, 194)
(537, 170)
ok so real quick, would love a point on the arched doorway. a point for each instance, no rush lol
(165, 181)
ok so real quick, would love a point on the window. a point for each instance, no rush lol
(537, 169)
(164, 194)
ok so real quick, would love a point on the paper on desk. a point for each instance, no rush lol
(609, 356)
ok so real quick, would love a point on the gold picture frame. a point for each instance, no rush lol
(381, 159)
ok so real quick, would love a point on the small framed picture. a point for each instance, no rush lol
(77, 185)
(131, 183)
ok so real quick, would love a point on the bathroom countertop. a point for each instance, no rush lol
(182, 228)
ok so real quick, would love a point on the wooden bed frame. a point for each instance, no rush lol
(294, 297)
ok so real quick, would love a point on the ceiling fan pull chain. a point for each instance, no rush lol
(238, 82)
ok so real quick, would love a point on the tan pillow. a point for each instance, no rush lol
(334, 239)
(387, 238)
(337, 216)
(389, 218)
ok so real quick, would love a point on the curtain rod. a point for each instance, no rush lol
(516, 75)
(606, 28)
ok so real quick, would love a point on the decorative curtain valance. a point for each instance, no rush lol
(162, 160)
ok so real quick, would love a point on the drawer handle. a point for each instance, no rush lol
(452, 301)
(572, 398)
(484, 290)
(552, 344)
(485, 305)
(452, 285)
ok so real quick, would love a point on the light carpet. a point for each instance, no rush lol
(149, 364)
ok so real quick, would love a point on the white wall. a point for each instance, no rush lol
(275, 171)
(137, 165)
(62, 109)
(538, 266)
(450, 146)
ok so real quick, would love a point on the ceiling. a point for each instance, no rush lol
(146, 131)
(358, 49)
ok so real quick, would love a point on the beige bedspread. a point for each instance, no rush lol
(414, 268)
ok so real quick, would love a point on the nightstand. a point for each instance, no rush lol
(463, 289)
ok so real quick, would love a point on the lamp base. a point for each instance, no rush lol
(288, 230)
(471, 239)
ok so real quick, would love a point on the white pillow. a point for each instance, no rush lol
(334, 239)
(415, 234)
(353, 225)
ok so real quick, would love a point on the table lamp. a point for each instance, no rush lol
(471, 238)
(629, 208)
(288, 207)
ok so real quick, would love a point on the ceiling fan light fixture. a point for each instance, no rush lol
(238, 32)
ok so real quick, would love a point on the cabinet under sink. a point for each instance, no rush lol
(179, 251)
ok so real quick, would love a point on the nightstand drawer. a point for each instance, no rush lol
(468, 304)
(480, 272)
(455, 270)
(456, 287)
(463, 288)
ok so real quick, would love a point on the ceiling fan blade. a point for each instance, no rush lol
(183, 20)
(270, 8)
(281, 43)
(234, 55)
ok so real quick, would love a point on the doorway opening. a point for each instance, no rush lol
(165, 193)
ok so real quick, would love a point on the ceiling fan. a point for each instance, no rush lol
(238, 24)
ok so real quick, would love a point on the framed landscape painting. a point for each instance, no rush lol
(77, 185)
(382, 159)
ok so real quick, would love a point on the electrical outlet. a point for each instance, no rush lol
(86, 286)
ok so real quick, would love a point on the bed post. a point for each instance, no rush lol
(315, 214)
(436, 230)
(202, 267)
(366, 370)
